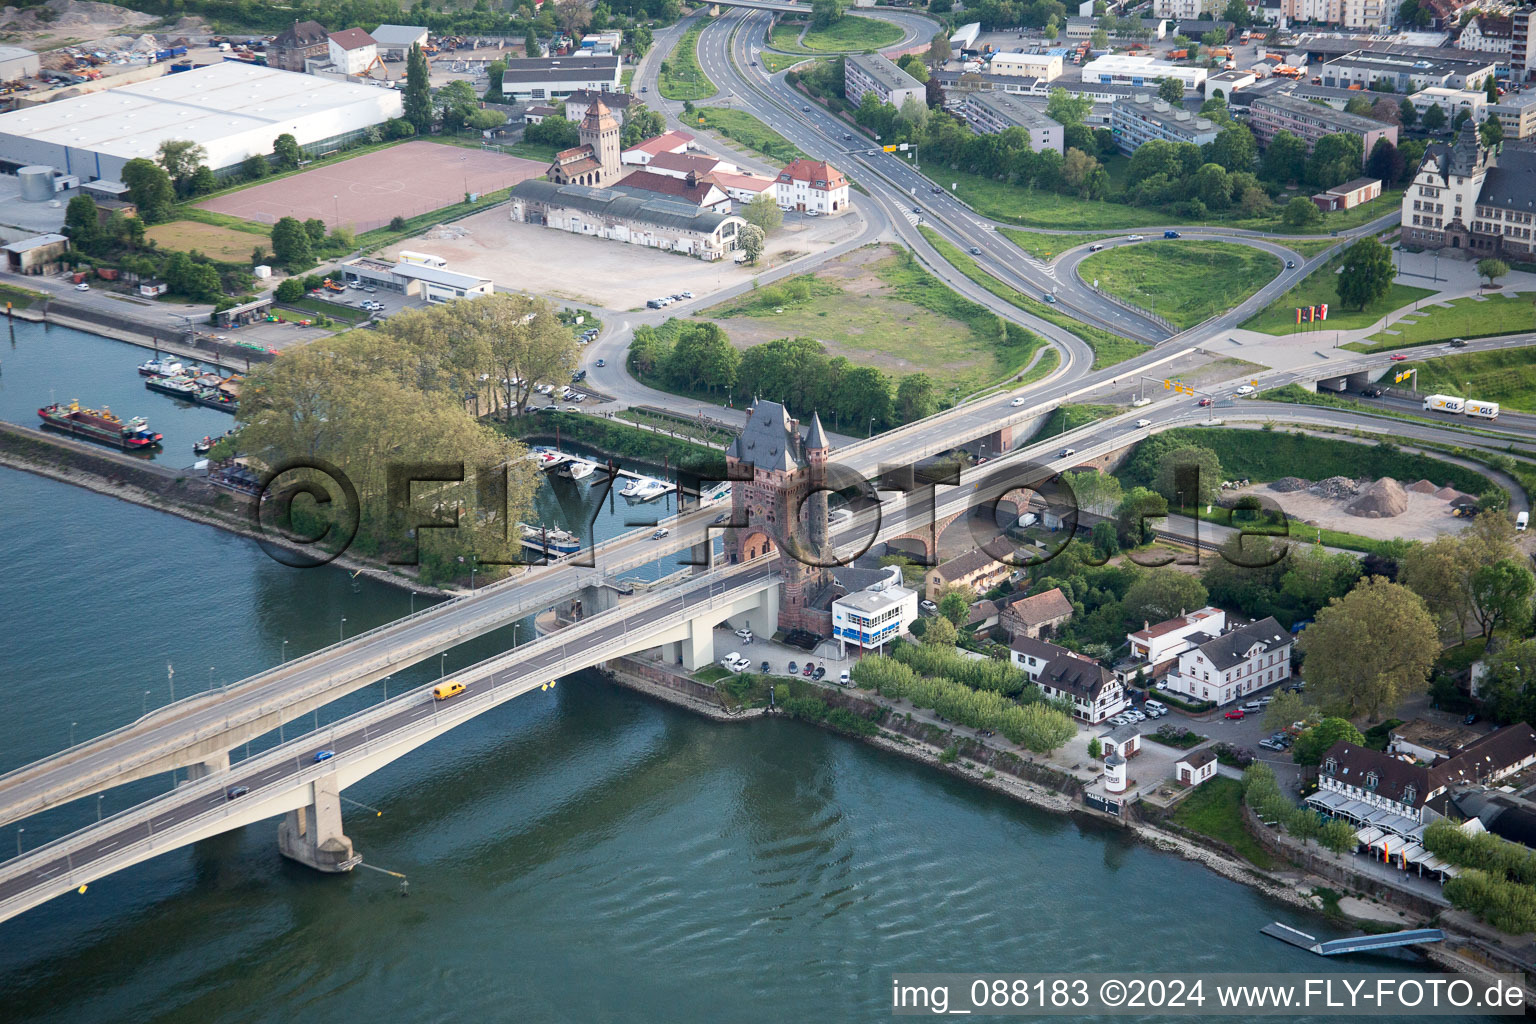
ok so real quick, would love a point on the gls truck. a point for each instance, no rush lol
(1443, 403)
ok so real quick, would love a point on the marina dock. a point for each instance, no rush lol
(1352, 944)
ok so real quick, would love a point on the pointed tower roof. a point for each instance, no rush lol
(817, 438)
(599, 117)
(1466, 154)
(768, 438)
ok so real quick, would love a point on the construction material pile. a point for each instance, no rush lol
(1381, 500)
(1287, 484)
(1336, 487)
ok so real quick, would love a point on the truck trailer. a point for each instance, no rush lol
(1482, 410)
(1443, 403)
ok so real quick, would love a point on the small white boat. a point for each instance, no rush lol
(576, 469)
(547, 459)
(648, 490)
(552, 539)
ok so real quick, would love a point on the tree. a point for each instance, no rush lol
(1189, 475)
(1160, 594)
(485, 119)
(399, 128)
(1436, 572)
(763, 213)
(826, 13)
(954, 607)
(1234, 149)
(494, 72)
(553, 131)
(1236, 12)
(531, 44)
(1385, 162)
(1366, 274)
(314, 227)
(1369, 649)
(1492, 269)
(1081, 172)
(1491, 88)
(916, 397)
(1414, 14)
(518, 338)
(1314, 577)
(1134, 514)
(1491, 131)
(290, 290)
(1095, 491)
(940, 632)
(290, 244)
(1501, 595)
(150, 189)
(1171, 89)
(1433, 119)
(285, 149)
(81, 224)
(1360, 106)
(751, 239)
(1095, 748)
(181, 158)
(1286, 158)
(202, 182)
(914, 112)
(572, 16)
(1385, 111)
(1068, 108)
(1312, 744)
(913, 65)
(1335, 158)
(1407, 112)
(1337, 835)
(1285, 708)
(703, 357)
(1508, 686)
(456, 102)
(1099, 40)
(254, 167)
(938, 48)
(417, 99)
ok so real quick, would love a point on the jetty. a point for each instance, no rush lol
(1352, 944)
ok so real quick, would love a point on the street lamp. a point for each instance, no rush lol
(442, 670)
(871, 426)
(99, 798)
(19, 831)
(342, 630)
(72, 732)
(515, 626)
(285, 652)
(144, 705)
(337, 200)
(210, 677)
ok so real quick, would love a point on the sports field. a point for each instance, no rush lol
(367, 192)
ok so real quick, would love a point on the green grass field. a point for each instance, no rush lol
(1216, 810)
(1185, 280)
(1108, 348)
(776, 62)
(1307, 247)
(1507, 376)
(746, 129)
(682, 78)
(1467, 317)
(20, 298)
(1045, 246)
(852, 33)
(1321, 286)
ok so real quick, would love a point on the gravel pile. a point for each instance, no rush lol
(1422, 487)
(1336, 487)
(446, 231)
(1448, 493)
(1381, 500)
(1287, 484)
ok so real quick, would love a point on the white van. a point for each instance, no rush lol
(1521, 521)
(1155, 705)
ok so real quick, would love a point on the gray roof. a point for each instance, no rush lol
(661, 212)
(437, 275)
(398, 35)
(882, 70)
(1324, 115)
(1029, 646)
(1012, 107)
(817, 438)
(768, 441)
(1077, 676)
(1121, 733)
(1231, 647)
(558, 69)
(1511, 182)
(35, 242)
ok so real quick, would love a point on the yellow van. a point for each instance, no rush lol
(442, 691)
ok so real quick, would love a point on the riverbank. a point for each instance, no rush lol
(129, 331)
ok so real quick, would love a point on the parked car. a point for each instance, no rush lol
(745, 634)
(1236, 714)
(928, 606)
(1271, 745)
(1470, 719)
(793, 668)
(844, 679)
(1155, 705)
(764, 669)
(1253, 705)
(810, 668)
(821, 671)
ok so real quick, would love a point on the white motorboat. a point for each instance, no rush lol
(551, 539)
(576, 469)
(647, 489)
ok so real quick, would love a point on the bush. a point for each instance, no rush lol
(397, 223)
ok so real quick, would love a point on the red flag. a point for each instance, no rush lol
(1323, 311)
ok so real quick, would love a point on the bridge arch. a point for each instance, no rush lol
(754, 545)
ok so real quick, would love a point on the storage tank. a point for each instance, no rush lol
(1114, 774)
(36, 183)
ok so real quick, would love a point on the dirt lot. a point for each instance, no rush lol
(220, 243)
(1427, 516)
(367, 191)
(598, 272)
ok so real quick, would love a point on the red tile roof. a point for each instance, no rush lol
(663, 143)
(819, 173)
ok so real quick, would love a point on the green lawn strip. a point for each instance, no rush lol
(1186, 281)
(1306, 247)
(1215, 809)
(1466, 317)
(625, 79)
(1295, 394)
(1108, 348)
(1045, 246)
(334, 310)
(683, 79)
(1049, 360)
(20, 298)
(1506, 376)
(378, 238)
(1321, 286)
(746, 129)
(776, 62)
(852, 34)
(224, 220)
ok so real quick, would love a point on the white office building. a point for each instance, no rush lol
(1125, 69)
(875, 616)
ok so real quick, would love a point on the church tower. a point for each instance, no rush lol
(600, 130)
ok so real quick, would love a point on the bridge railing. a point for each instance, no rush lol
(726, 585)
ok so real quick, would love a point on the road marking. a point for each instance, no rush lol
(104, 847)
(273, 773)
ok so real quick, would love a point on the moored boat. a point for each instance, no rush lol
(576, 469)
(100, 425)
(550, 539)
(646, 489)
(158, 367)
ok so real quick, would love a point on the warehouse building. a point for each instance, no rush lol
(660, 223)
(1127, 69)
(870, 72)
(540, 79)
(395, 41)
(17, 63)
(434, 284)
(1044, 66)
(1406, 73)
(231, 109)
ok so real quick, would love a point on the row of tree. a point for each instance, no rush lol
(1262, 793)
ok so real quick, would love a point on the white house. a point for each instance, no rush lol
(1092, 689)
(876, 615)
(352, 51)
(1452, 102)
(643, 153)
(1158, 645)
(1228, 667)
(813, 186)
(1124, 740)
(1193, 769)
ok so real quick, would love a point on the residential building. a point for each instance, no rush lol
(541, 79)
(1223, 84)
(1429, 741)
(1348, 195)
(1452, 102)
(1126, 69)
(394, 42)
(1370, 781)
(743, 187)
(36, 255)
(618, 103)
(1516, 112)
(538, 112)
(1093, 690)
(604, 213)
(1160, 645)
(975, 569)
(1185, 10)
(1036, 615)
(1144, 117)
(1043, 66)
(1270, 115)
(596, 160)
(1124, 740)
(1487, 33)
(871, 73)
(680, 165)
(1405, 73)
(1193, 769)
(643, 153)
(1522, 56)
(990, 112)
(352, 51)
(701, 193)
(1228, 667)
(870, 618)
(1469, 200)
(812, 186)
(305, 41)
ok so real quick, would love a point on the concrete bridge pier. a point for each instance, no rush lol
(596, 599)
(211, 766)
(702, 556)
(312, 834)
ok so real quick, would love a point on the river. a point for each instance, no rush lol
(585, 853)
